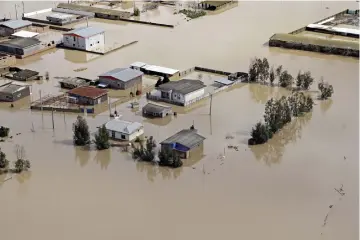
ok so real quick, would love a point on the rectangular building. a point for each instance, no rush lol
(87, 96)
(60, 18)
(25, 75)
(183, 143)
(11, 92)
(156, 110)
(21, 47)
(85, 38)
(123, 78)
(124, 130)
(11, 26)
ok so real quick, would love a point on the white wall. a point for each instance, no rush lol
(127, 136)
(94, 43)
(136, 134)
(191, 96)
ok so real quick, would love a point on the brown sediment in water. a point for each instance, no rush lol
(281, 190)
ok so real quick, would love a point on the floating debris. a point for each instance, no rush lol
(80, 69)
(229, 137)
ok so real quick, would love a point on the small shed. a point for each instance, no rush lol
(87, 95)
(71, 83)
(184, 142)
(123, 130)
(224, 81)
(25, 75)
(156, 110)
(11, 92)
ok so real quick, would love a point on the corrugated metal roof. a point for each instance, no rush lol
(21, 42)
(123, 74)
(12, 88)
(87, 91)
(61, 16)
(224, 81)
(335, 29)
(155, 108)
(25, 34)
(122, 126)
(15, 24)
(183, 86)
(160, 69)
(187, 137)
(85, 32)
(138, 64)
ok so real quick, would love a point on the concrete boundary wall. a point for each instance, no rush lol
(75, 12)
(148, 23)
(37, 12)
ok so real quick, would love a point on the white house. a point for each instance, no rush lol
(123, 130)
(86, 38)
(182, 92)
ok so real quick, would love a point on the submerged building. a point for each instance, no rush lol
(12, 26)
(21, 47)
(122, 78)
(11, 92)
(89, 39)
(123, 130)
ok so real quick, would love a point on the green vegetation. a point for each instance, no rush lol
(4, 163)
(169, 159)
(278, 113)
(20, 165)
(286, 80)
(4, 131)
(81, 135)
(136, 12)
(145, 153)
(326, 90)
(304, 80)
(102, 139)
(192, 13)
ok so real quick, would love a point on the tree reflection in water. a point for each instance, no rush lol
(152, 170)
(261, 93)
(325, 105)
(82, 154)
(103, 158)
(272, 151)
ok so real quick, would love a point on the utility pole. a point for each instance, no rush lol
(87, 22)
(52, 117)
(23, 5)
(16, 11)
(41, 103)
(210, 103)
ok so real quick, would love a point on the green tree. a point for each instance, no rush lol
(265, 67)
(168, 158)
(81, 135)
(304, 80)
(102, 139)
(136, 12)
(4, 163)
(145, 153)
(279, 71)
(272, 76)
(326, 90)
(254, 70)
(4, 131)
(260, 134)
(21, 164)
(285, 80)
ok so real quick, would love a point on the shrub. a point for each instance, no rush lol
(304, 80)
(81, 135)
(4, 131)
(260, 134)
(136, 12)
(168, 158)
(147, 153)
(21, 165)
(285, 80)
(326, 90)
(102, 139)
(4, 163)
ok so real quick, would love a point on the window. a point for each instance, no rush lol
(90, 45)
(123, 136)
(98, 42)
(73, 44)
(74, 38)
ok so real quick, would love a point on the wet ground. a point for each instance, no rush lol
(281, 190)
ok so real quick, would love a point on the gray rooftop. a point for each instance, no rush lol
(15, 24)
(155, 108)
(183, 86)
(123, 74)
(12, 88)
(186, 137)
(21, 42)
(26, 73)
(122, 126)
(85, 32)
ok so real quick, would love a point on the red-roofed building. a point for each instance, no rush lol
(87, 95)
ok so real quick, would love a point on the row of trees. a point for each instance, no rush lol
(81, 135)
(278, 113)
(20, 165)
(146, 152)
(260, 71)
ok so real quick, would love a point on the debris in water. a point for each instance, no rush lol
(229, 137)
(344, 158)
(325, 220)
(330, 206)
(340, 190)
(80, 69)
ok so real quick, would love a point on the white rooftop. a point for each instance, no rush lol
(160, 69)
(25, 34)
(122, 126)
(138, 64)
(335, 29)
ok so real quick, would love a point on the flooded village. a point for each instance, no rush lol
(177, 73)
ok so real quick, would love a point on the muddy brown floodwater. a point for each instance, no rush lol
(281, 190)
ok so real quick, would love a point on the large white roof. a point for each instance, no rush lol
(138, 64)
(122, 126)
(335, 29)
(160, 69)
(25, 34)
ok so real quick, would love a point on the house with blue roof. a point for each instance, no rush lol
(89, 39)
(123, 78)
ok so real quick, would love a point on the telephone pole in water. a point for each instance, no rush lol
(210, 103)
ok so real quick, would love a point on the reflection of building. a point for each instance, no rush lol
(10, 92)
(123, 130)
(184, 142)
(87, 95)
(21, 47)
(9, 27)
(182, 92)
(122, 78)
(85, 38)
(78, 56)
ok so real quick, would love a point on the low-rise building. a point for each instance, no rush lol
(90, 39)
(182, 92)
(21, 47)
(25, 75)
(87, 96)
(60, 18)
(123, 130)
(71, 83)
(11, 92)
(184, 143)
(213, 5)
(137, 65)
(11, 26)
(156, 110)
(122, 78)
(160, 71)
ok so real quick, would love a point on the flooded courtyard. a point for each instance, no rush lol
(279, 190)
